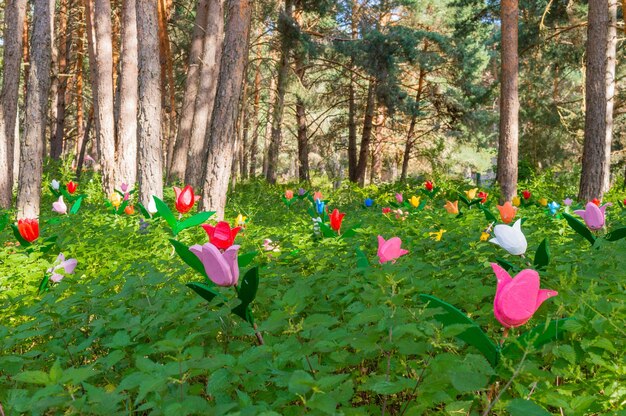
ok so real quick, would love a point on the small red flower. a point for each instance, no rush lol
(526, 194)
(71, 187)
(221, 235)
(29, 229)
(428, 185)
(336, 218)
(483, 196)
(129, 210)
(596, 201)
(386, 210)
(624, 202)
(185, 199)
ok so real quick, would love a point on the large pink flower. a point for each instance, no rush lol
(593, 215)
(517, 299)
(222, 268)
(390, 250)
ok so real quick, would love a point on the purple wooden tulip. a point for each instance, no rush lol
(222, 268)
(68, 267)
(593, 215)
(59, 206)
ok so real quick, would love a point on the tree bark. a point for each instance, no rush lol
(205, 100)
(594, 164)
(78, 83)
(91, 49)
(610, 89)
(366, 136)
(222, 132)
(509, 102)
(126, 167)
(279, 105)
(35, 120)
(105, 123)
(181, 147)
(254, 145)
(267, 137)
(65, 42)
(14, 17)
(150, 163)
(167, 76)
(352, 149)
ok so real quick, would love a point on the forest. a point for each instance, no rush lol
(175, 175)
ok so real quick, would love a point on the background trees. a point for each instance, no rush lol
(365, 91)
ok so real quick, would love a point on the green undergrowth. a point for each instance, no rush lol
(124, 335)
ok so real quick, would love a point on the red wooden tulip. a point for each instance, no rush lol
(386, 210)
(483, 196)
(526, 194)
(185, 199)
(428, 185)
(29, 229)
(596, 201)
(71, 187)
(221, 235)
(336, 218)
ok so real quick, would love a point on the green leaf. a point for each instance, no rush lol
(327, 231)
(537, 337)
(246, 292)
(243, 260)
(56, 372)
(506, 265)
(205, 291)
(614, 235)
(473, 335)
(542, 256)
(33, 377)
(463, 199)
(188, 257)
(143, 210)
(361, 259)
(195, 220)
(521, 407)
(166, 213)
(18, 236)
(4, 220)
(489, 215)
(350, 232)
(580, 228)
(122, 207)
(43, 285)
(76, 205)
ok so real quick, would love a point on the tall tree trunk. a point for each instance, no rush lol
(610, 90)
(35, 120)
(254, 145)
(367, 132)
(14, 13)
(65, 42)
(105, 123)
(378, 150)
(167, 74)
(352, 150)
(279, 105)
(78, 83)
(267, 137)
(222, 132)
(594, 166)
(409, 137)
(244, 119)
(91, 49)
(303, 139)
(54, 81)
(205, 100)
(509, 102)
(150, 163)
(126, 169)
(181, 147)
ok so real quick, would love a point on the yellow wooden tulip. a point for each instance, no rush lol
(436, 235)
(516, 201)
(471, 194)
(543, 202)
(116, 199)
(414, 201)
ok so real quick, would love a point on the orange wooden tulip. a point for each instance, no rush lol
(507, 212)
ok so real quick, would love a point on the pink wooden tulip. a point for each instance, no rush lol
(517, 299)
(593, 215)
(390, 250)
(222, 268)
(59, 206)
